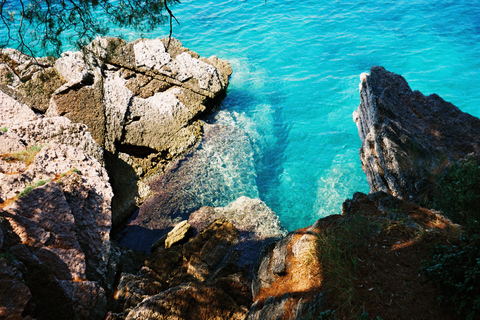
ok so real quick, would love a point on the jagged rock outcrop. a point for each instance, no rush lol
(203, 177)
(141, 101)
(290, 278)
(257, 223)
(196, 280)
(56, 218)
(408, 138)
(287, 278)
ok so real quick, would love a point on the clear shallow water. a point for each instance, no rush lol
(296, 74)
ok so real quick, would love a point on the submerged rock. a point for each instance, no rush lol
(216, 172)
(408, 138)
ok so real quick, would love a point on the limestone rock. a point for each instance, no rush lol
(57, 213)
(286, 267)
(408, 138)
(30, 81)
(22, 65)
(14, 293)
(189, 301)
(58, 130)
(133, 289)
(257, 223)
(37, 91)
(13, 112)
(246, 214)
(140, 101)
(195, 280)
(203, 177)
(180, 233)
(206, 255)
(289, 277)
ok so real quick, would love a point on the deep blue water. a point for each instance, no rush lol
(296, 74)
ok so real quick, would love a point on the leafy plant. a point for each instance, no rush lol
(7, 255)
(26, 156)
(456, 270)
(364, 316)
(324, 315)
(4, 129)
(459, 194)
(28, 189)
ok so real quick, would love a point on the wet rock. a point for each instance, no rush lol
(408, 138)
(203, 177)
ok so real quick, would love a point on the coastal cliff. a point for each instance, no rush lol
(408, 138)
(141, 103)
(87, 138)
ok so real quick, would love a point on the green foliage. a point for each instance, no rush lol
(26, 156)
(9, 78)
(4, 129)
(338, 249)
(46, 24)
(75, 170)
(7, 255)
(364, 316)
(459, 194)
(456, 270)
(31, 187)
(324, 315)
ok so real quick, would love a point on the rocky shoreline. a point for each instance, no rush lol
(97, 135)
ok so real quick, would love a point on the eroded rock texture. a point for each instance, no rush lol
(408, 138)
(55, 214)
(197, 280)
(141, 102)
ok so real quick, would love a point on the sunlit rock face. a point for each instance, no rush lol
(56, 218)
(408, 138)
(141, 101)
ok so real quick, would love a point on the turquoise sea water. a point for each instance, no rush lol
(296, 74)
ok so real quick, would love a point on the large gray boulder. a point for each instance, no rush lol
(140, 101)
(408, 138)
